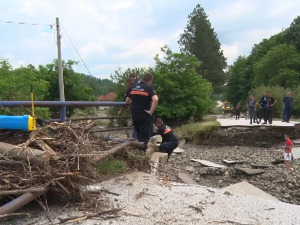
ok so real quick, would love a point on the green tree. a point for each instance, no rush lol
(280, 66)
(239, 81)
(182, 93)
(294, 33)
(200, 40)
(15, 85)
(74, 85)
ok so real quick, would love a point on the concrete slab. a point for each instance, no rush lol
(250, 171)
(248, 189)
(208, 163)
(159, 157)
(259, 165)
(297, 141)
(296, 153)
(232, 162)
(231, 122)
(178, 150)
(185, 178)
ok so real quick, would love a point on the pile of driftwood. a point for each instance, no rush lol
(59, 158)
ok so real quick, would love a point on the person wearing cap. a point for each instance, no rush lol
(288, 152)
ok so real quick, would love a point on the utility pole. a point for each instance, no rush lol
(63, 110)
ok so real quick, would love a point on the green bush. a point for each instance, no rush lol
(194, 131)
(110, 165)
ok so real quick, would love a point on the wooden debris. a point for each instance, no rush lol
(72, 219)
(47, 149)
(14, 215)
(20, 202)
(118, 148)
(35, 156)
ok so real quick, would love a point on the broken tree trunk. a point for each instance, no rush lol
(46, 148)
(119, 148)
(19, 202)
(34, 156)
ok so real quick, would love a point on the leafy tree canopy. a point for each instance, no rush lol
(182, 92)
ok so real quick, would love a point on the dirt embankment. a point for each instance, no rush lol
(263, 136)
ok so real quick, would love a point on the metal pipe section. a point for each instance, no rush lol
(59, 103)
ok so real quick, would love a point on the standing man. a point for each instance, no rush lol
(134, 78)
(287, 107)
(264, 106)
(251, 106)
(270, 109)
(144, 100)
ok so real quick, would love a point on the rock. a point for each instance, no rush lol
(190, 168)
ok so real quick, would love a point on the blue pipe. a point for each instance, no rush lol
(25, 122)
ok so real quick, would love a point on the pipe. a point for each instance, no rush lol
(25, 122)
(59, 103)
(19, 202)
(112, 129)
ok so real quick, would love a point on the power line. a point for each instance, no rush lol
(76, 50)
(30, 24)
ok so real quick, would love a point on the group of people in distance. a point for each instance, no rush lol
(143, 101)
(265, 108)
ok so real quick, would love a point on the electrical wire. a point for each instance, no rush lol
(76, 50)
(24, 23)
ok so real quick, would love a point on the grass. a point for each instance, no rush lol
(195, 131)
(110, 166)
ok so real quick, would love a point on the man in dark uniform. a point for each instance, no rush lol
(143, 101)
(264, 107)
(270, 110)
(169, 140)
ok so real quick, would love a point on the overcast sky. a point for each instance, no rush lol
(129, 33)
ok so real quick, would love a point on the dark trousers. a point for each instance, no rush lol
(287, 114)
(168, 147)
(142, 123)
(265, 114)
(237, 115)
(252, 115)
(270, 114)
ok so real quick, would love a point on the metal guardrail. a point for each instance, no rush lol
(61, 104)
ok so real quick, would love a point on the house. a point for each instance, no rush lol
(109, 97)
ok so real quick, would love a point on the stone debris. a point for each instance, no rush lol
(186, 179)
(208, 163)
(250, 171)
(262, 166)
(178, 150)
(296, 153)
(159, 157)
(232, 162)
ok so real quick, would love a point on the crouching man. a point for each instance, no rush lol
(169, 140)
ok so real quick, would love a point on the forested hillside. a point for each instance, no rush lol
(273, 65)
